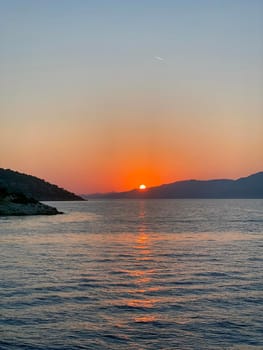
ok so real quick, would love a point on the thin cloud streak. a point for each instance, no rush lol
(158, 58)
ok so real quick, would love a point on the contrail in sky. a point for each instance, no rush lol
(158, 58)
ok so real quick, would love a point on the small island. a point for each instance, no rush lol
(18, 204)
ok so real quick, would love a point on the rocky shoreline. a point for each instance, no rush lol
(17, 204)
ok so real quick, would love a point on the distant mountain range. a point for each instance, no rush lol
(245, 187)
(31, 186)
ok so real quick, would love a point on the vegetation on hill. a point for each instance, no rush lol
(34, 187)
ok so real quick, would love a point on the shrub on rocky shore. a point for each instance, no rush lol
(19, 204)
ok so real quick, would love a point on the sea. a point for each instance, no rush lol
(134, 274)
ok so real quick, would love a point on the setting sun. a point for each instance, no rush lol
(142, 187)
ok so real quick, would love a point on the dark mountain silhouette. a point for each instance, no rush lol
(245, 187)
(31, 186)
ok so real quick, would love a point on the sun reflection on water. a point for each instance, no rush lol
(142, 271)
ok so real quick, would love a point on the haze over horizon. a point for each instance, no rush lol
(103, 96)
(138, 188)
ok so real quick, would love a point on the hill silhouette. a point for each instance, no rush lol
(31, 186)
(245, 187)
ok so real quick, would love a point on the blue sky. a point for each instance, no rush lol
(92, 65)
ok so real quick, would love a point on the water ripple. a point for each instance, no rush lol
(155, 274)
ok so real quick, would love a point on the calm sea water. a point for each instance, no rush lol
(134, 274)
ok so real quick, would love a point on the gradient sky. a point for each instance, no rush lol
(105, 95)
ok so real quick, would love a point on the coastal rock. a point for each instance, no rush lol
(12, 204)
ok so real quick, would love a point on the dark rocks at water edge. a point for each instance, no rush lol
(12, 204)
(34, 187)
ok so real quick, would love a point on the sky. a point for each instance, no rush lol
(105, 95)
